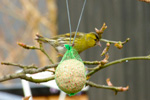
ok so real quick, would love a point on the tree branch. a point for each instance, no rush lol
(10, 76)
(37, 80)
(22, 75)
(27, 70)
(32, 69)
(99, 67)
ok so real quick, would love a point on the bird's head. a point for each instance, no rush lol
(93, 39)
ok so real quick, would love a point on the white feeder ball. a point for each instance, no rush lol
(70, 76)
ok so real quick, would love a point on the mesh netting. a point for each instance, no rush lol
(70, 74)
(71, 53)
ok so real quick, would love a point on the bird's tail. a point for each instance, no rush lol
(42, 39)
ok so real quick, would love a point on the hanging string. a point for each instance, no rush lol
(79, 21)
(69, 19)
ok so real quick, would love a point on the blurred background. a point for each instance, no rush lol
(20, 20)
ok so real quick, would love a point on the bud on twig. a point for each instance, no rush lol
(106, 49)
(105, 60)
(108, 44)
(109, 82)
(100, 32)
(117, 89)
(119, 45)
(26, 46)
(126, 41)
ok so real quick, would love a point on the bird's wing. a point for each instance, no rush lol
(67, 35)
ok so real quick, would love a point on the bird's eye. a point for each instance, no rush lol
(95, 39)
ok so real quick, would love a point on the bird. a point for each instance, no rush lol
(82, 41)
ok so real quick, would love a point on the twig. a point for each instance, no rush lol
(19, 65)
(45, 68)
(37, 48)
(100, 31)
(50, 70)
(27, 46)
(42, 50)
(104, 61)
(117, 44)
(28, 70)
(113, 42)
(90, 69)
(114, 88)
(105, 49)
(91, 62)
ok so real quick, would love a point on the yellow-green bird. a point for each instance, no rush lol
(82, 41)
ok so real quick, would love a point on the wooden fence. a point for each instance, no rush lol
(124, 18)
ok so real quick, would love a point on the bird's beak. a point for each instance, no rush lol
(98, 43)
